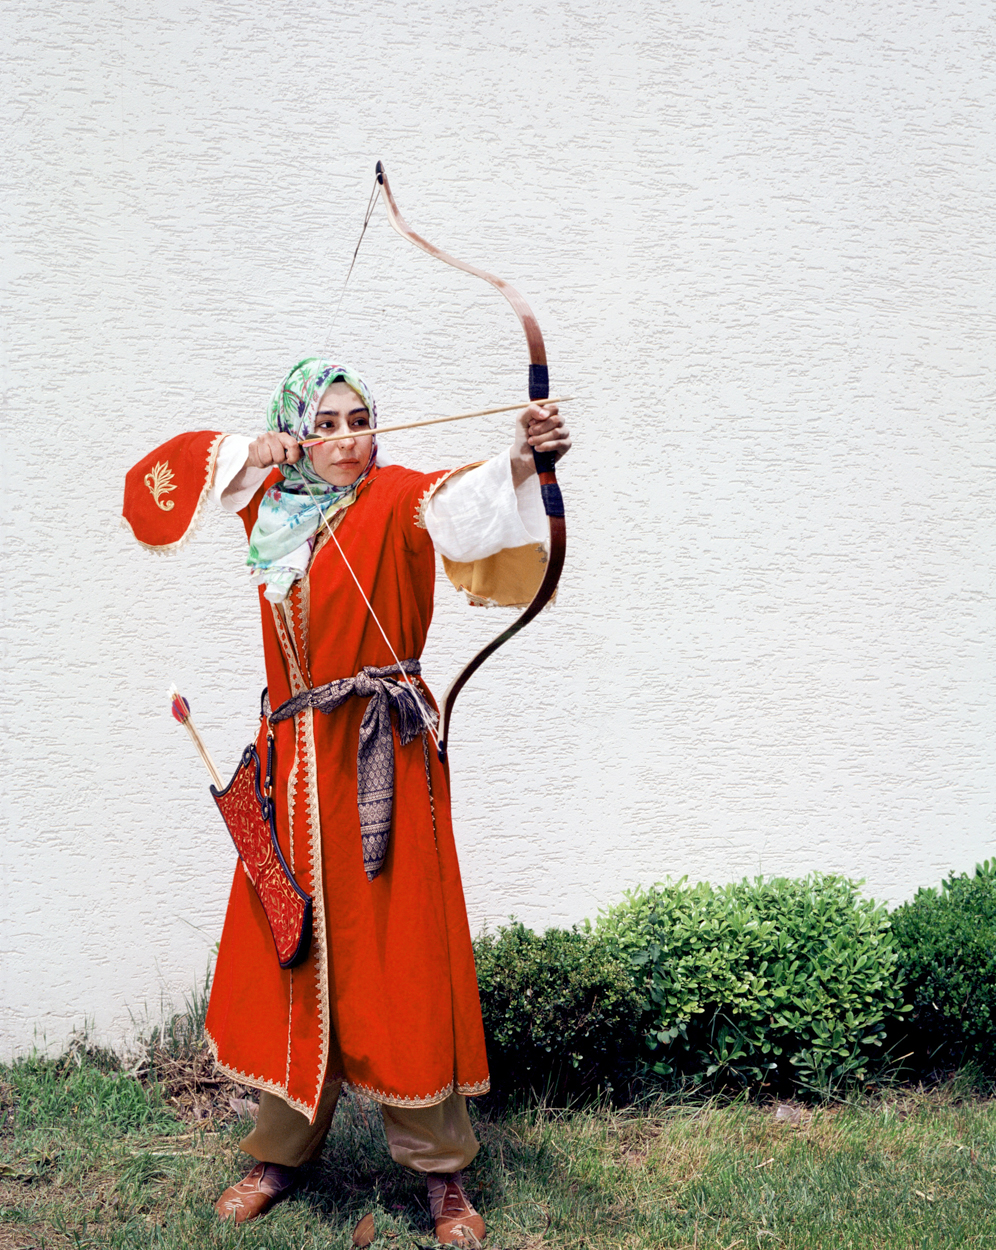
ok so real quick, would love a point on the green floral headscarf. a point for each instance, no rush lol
(291, 512)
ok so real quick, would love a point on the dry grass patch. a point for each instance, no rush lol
(92, 1157)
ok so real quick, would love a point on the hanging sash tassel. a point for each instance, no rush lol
(375, 753)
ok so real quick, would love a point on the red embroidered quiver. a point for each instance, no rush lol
(247, 809)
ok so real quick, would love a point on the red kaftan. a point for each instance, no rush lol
(387, 997)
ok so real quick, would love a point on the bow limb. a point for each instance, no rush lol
(553, 504)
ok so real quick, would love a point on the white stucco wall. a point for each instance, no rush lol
(759, 239)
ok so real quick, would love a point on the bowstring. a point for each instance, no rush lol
(371, 204)
(423, 708)
(420, 702)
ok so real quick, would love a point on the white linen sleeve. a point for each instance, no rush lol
(232, 456)
(480, 513)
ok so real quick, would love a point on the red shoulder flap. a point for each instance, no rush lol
(164, 492)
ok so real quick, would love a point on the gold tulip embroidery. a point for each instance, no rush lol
(159, 482)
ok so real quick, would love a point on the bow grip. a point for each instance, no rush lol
(545, 461)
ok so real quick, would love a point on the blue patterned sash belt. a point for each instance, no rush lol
(375, 754)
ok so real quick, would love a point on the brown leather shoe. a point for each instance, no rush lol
(457, 1223)
(258, 1190)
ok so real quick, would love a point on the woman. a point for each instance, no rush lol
(342, 546)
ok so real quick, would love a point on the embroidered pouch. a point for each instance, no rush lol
(247, 809)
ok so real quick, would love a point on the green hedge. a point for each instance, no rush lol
(788, 983)
(781, 982)
(947, 956)
(561, 1012)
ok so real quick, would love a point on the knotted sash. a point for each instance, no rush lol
(375, 752)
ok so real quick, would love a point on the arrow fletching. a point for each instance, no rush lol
(180, 708)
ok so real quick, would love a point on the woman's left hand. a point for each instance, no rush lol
(539, 427)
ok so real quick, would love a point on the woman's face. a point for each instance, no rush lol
(341, 411)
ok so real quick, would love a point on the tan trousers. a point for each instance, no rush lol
(427, 1139)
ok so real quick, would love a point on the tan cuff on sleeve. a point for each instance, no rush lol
(508, 579)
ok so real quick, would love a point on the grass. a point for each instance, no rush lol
(92, 1155)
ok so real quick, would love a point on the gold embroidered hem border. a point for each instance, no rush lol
(430, 1100)
(398, 1100)
(258, 1082)
(319, 934)
(304, 753)
(472, 1091)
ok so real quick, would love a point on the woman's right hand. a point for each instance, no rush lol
(273, 448)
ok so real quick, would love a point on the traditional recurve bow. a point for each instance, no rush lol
(553, 503)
